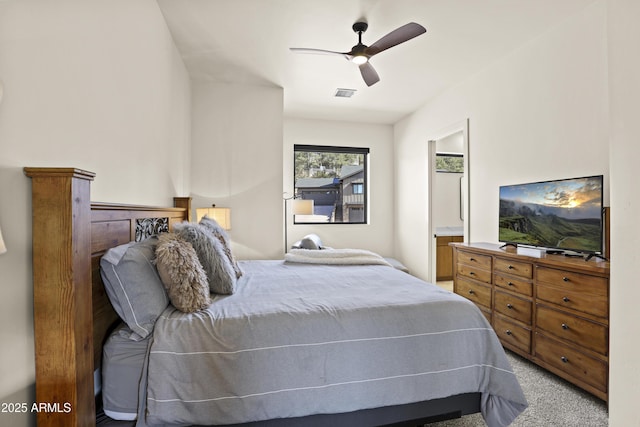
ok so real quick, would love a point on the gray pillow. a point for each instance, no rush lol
(311, 241)
(220, 273)
(215, 228)
(133, 285)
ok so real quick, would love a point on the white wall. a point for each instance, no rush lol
(375, 236)
(446, 200)
(624, 87)
(237, 162)
(453, 143)
(96, 85)
(538, 113)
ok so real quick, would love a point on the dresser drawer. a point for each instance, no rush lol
(473, 272)
(513, 307)
(598, 305)
(585, 333)
(572, 362)
(479, 261)
(478, 293)
(511, 333)
(516, 268)
(583, 283)
(514, 285)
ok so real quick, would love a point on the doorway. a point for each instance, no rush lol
(448, 199)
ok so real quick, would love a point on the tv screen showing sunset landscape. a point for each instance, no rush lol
(563, 214)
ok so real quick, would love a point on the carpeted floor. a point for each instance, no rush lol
(553, 402)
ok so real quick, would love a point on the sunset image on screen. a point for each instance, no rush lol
(562, 214)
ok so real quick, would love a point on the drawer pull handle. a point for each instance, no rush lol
(564, 359)
(565, 326)
(508, 332)
(510, 307)
(510, 283)
(565, 299)
(565, 279)
(471, 292)
(472, 259)
(510, 267)
(471, 273)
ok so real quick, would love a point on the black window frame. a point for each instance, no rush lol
(297, 148)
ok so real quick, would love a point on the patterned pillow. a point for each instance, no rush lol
(133, 285)
(182, 273)
(220, 273)
(213, 226)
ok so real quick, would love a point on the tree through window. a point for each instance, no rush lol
(449, 162)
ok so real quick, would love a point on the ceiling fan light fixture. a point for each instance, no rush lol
(360, 53)
(360, 59)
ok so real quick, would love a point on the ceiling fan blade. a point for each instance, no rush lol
(395, 37)
(319, 52)
(369, 74)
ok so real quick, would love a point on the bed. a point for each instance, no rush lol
(368, 364)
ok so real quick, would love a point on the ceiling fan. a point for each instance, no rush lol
(360, 53)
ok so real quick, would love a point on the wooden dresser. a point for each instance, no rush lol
(552, 310)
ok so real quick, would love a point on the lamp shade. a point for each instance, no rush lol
(221, 215)
(302, 207)
(3, 248)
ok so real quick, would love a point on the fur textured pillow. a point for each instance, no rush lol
(182, 274)
(213, 226)
(220, 273)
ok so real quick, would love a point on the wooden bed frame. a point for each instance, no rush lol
(73, 316)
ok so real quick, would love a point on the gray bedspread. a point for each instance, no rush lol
(298, 339)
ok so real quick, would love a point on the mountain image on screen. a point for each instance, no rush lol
(562, 214)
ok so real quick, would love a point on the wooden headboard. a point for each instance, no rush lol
(72, 314)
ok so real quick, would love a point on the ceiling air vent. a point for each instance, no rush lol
(344, 93)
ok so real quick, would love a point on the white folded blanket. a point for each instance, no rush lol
(335, 256)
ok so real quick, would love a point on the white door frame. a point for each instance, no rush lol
(462, 126)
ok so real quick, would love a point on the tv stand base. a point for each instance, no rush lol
(554, 252)
(595, 256)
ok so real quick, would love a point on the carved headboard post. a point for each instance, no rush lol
(62, 279)
(183, 202)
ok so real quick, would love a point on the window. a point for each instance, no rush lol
(335, 178)
(449, 162)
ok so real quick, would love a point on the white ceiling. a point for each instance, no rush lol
(247, 42)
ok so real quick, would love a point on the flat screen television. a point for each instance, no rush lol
(564, 214)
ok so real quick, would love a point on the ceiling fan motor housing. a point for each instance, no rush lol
(360, 27)
(358, 51)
